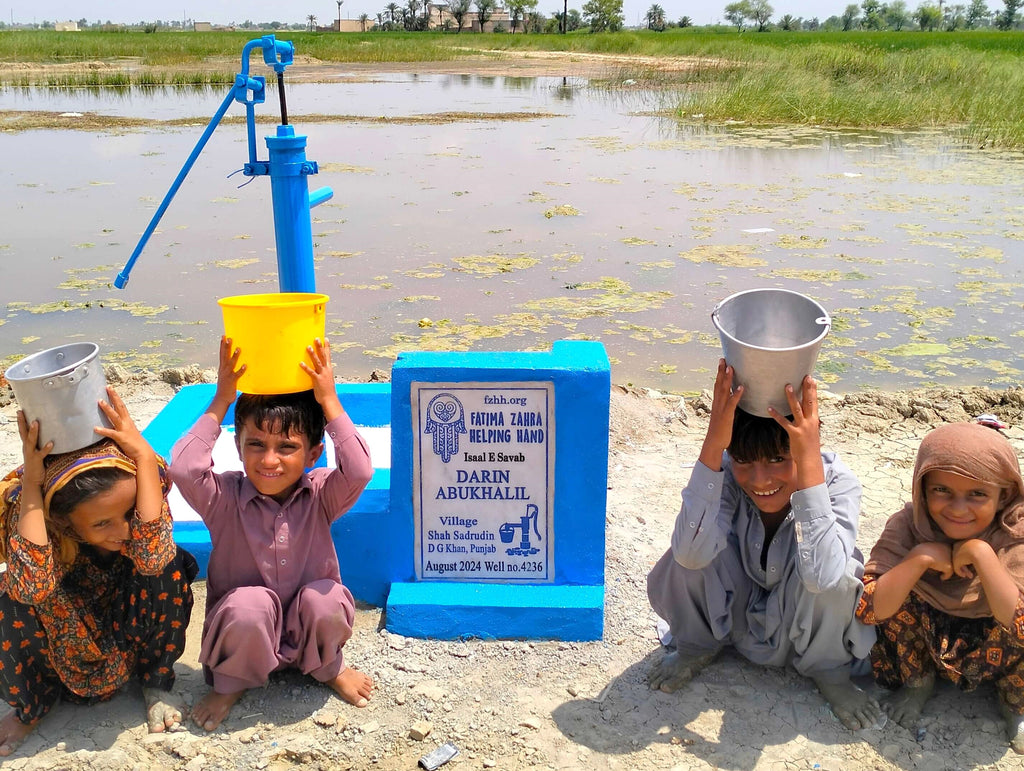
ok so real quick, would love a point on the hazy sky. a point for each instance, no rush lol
(226, 11)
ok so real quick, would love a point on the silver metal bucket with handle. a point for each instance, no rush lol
(61, 388)
(770, 337)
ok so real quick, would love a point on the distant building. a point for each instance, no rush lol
(202, 26)
(66, 26)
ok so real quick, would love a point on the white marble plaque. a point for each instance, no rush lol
(483, 481)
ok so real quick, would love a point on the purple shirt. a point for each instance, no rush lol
(256, 540)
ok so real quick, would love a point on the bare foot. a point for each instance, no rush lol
(13, 733)
(854, 708)
(214, 707)
(905, 705)
(676, 669)
(353, 686)
(1014, 728)
(164, 712)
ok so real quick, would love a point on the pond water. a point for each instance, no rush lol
(592, 219)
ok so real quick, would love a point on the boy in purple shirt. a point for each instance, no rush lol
(274, 594)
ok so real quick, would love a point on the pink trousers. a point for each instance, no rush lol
(248, 634)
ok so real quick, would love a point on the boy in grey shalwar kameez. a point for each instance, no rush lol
(763, 554)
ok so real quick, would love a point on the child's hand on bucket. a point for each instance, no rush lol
(228, 371)
(124, 431)
(723, 411)
(804, 433)
(322, 373)
(33, 455)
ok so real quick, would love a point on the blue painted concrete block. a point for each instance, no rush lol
(354, 534)
(451, 611)
(581, 376)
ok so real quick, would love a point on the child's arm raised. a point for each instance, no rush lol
(228, 373)
(1000, 589)
(705, 517)
(149, 496)
(893, 587)
(322, 373)
(804, 434)
(31, 524)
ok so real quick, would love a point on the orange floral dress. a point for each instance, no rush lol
(83, 630)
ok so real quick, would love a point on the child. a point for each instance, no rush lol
(944, 580)
(95, 591)
(763, 554)
(274, 593)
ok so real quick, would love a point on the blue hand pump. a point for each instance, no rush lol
(287, 168)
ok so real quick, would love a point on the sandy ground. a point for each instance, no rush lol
(562, 705)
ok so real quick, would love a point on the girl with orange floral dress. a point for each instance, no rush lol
(95, 592)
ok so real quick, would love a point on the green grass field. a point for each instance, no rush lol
(971, 82)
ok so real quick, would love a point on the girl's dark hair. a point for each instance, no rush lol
(283, 414)
(81, 488)
(755, 438)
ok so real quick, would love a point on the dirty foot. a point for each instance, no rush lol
(905, 705)
(1014, 728)
(13, 733)
(854, 708)
(353, 686)
(214, 707)
(164, 712)
(677, 669)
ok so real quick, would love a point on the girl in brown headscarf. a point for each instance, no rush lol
(95, 592)
(944, 581)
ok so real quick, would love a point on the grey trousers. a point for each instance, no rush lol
(720, 605)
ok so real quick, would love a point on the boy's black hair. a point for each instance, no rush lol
(283, 413)
(755, 438)
(81, 488)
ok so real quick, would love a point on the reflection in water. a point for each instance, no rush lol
(608, 222)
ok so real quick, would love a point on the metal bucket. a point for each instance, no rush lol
(770, 337)
(61, 388)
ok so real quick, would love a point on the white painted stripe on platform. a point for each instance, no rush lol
(225, 458)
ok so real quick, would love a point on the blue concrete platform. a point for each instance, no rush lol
(453, 611)
(369, 406)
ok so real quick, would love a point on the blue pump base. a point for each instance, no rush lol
(451, 611)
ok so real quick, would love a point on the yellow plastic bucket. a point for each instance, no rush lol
(272, 332)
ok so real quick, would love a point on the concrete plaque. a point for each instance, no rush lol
(483, 481)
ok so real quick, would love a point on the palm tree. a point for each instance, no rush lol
(363, 20)
(311, 20)
(392, 9)
(656, 18)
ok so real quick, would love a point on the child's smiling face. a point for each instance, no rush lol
(274, 462)
(770, 482)
(962, 507)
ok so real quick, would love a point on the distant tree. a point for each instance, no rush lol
(484, 11)
(813, 25)
(603, 15)
(655, 18)
(896, 15)
(787, 23)
(1007, 18)
(534, 22)
(364, 20)
(737, 13)
(412, 7)
(761, 12)
(459, 9)
(311, 21)
(928, 17)
(977, 12)
(851, 17)
(873, 10)
(953, 17)
(517, 10)
(685, 21)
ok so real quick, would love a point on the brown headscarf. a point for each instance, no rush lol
(61, 469)
(976, 452)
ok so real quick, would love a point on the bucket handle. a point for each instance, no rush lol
(67, 379)
(825, 321)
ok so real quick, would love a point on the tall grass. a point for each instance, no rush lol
(970, 80)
